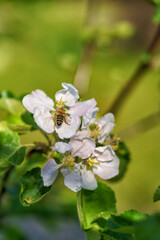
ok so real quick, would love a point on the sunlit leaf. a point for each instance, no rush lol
(92, 203)
(12, 153)
(32, 188)
(11, 106)
(6, 94)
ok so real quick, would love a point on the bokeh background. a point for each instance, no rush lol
(46, 42)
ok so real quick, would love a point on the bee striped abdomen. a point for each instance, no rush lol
(59, 120)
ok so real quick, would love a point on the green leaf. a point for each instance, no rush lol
(124, 156)
(156, 16)
(149, 229)
(93, 234)
(156, 196)
(11, 151)
(120, 226)
(32, 188)
(11, 106)
(92, 203)
(27, 117)
(6, 94)
(20, 129)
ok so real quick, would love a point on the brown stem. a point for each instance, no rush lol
(137, 76)
(141, 126)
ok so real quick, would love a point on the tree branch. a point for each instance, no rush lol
(137, 76)
(141, 126)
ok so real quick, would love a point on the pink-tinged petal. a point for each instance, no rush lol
(36, 99)
(82, 134)
(107, 170)
(49, 172)
(69, 94)
(89, 118)
(106, 124)
(105, 131)
(70, 129)
(107, 118)
(82, 108)
(104, 154)
(44, 119)
(72, 179)
(62, 147)
(82, 148)
(88, 180)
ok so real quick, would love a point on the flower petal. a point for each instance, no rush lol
(104, 154)
(82, 148)
(44, 119)
(49, 172)
(88, 180)
(70, 129)
(89, 118)
(82, 134)
(36, 99)
(109, 117)
(72, 179)
(69, 94)
(106, 123)
(61, 147)
(82, 108)
(107, 170)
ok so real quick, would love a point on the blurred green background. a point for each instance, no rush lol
(41, 44)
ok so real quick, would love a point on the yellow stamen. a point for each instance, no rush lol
(69, 162)
(90, 162)
(95, 132)
(60, 104)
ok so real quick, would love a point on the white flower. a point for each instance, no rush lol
(101, 161)
(44, 112)
(104, 124)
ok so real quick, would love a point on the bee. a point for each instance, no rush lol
(60, 117)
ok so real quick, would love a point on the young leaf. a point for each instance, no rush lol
(120, 226)
(11, 106)
(93, 234)
(27, 117)
(32, 188)
(92, 203)
(156, 196)
(11, 151)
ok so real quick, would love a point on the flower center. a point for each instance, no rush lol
(60, 104)
(95, 132)
(90, 162)
(113, 142)
(69, 161)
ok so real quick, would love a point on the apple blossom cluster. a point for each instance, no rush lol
(84, 147)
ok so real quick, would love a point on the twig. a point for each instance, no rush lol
(141, 126)
(137, 76)
(47, 137)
